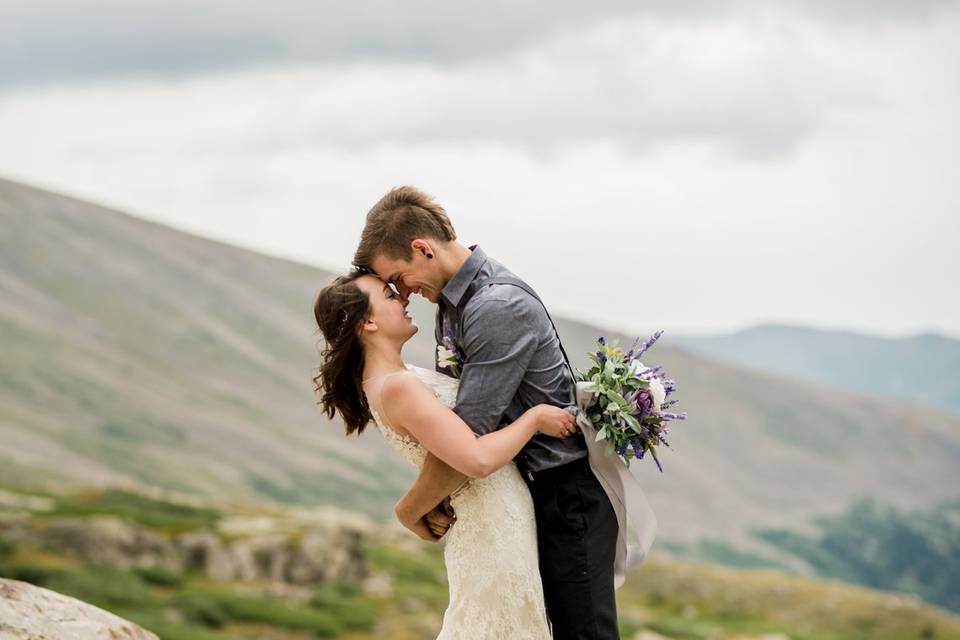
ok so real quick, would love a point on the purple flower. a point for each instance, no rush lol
(644, 403)
(452, 347)
(648, 344)
(666, 415)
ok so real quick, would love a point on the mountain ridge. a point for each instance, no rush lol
(923, 368)
(137, 353)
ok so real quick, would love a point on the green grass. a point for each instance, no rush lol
(104, 587)
(346, 602)
(319, 488)
(6, 548)
(157, 514)
(223, 606)
(161, 576)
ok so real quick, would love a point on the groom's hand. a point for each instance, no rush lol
(422, 530)
(441, 518)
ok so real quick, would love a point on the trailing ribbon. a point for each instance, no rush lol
(635, 517)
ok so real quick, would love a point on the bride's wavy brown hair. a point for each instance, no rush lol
(340, 308)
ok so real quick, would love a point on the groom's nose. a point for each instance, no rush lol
(404, 292)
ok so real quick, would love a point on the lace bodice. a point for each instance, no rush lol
(444, 388)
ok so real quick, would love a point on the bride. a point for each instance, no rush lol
(491, 551)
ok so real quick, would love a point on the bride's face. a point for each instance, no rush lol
(388, 312)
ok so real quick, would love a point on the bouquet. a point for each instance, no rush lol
(625, 400)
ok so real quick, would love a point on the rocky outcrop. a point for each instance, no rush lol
(33, 613)
(109, 541)
(314, 555)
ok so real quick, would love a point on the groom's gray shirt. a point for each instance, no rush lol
(512, 359)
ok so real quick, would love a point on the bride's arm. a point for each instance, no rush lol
(411, 405)
(436, 481)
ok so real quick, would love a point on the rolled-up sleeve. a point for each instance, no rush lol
(499, 340)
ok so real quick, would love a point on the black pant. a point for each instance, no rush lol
(577, 535)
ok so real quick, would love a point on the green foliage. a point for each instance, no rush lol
(36, 574)
(300, 488)
(6, 547)
(201, 608)
(161, 576)
(882, 548)
(155, 621)
(104, 587)
(345, 601)
(263, 609)
(158, 514)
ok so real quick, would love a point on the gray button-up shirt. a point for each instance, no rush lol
(512, 359)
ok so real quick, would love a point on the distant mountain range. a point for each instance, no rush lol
(136, 354)
(922, 369)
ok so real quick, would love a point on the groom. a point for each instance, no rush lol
(511, 361)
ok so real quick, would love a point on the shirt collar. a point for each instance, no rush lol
(453, 291)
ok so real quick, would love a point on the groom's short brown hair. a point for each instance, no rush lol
(400, 217)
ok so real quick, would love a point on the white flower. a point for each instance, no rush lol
(658, 392)
(445, 357)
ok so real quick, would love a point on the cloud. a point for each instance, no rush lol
(47, 42)
(771, 163)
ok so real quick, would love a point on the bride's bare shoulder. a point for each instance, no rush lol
(396, 388)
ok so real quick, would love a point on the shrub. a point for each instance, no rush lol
(345, 602)
(104, 587)
(161, 576)
(201, 608)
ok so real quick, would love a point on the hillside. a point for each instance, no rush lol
(137, 354)
(921, 369)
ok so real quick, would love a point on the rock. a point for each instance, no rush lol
(379, 585)
(33, 613)
(265, 556)
(327, 556)
(111, 541)
(317, 555)
(203, 551)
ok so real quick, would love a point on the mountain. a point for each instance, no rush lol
(135, 354)
(923, 369)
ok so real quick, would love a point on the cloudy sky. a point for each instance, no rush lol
(693, 166)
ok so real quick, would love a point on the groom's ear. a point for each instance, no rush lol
(423, 247)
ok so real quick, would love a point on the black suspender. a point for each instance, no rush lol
(476, 285)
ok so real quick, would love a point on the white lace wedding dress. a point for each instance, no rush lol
(491, 551)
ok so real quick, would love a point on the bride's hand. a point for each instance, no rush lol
(554, 421)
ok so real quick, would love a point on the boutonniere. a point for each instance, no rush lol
(449, 356)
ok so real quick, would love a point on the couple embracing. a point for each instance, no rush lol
(529, 534)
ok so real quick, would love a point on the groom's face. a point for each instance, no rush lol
(419, 275)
